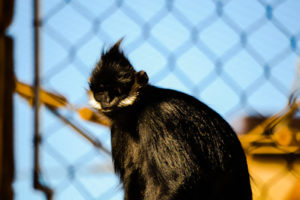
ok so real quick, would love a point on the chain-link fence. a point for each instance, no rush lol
(237, 56)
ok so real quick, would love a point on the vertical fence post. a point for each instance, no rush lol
(37, 184)
(6, 102)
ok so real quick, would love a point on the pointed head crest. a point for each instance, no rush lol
(114, 49)
(113, 68)
(114, 57)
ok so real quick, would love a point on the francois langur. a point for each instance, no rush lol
(166, 145)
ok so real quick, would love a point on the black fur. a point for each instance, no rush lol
(167, 145)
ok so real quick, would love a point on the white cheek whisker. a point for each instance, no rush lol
(94, 103)
(128, 101)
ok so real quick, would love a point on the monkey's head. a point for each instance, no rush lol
(114, 82)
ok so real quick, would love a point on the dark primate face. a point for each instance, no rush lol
(114, 83)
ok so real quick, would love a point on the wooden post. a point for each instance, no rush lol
(6, 102)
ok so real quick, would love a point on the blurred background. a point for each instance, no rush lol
(239, 57)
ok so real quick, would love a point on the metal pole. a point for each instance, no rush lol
(37, 137)
(6, 102)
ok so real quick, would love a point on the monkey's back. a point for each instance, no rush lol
(185, 149)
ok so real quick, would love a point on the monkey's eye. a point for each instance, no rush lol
(99, 89)
(115, 92)
(96, 87)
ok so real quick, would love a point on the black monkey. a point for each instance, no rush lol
(166, 145)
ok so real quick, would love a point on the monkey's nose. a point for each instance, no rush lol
(105, 105)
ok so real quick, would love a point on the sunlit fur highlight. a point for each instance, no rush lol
(95, 104)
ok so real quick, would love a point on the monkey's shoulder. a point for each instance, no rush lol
(171, 102)
(170, 108)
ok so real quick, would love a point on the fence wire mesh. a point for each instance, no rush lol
(237, 56)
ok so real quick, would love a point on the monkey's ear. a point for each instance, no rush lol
(142, 77)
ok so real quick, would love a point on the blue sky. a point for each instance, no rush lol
(237, 56)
